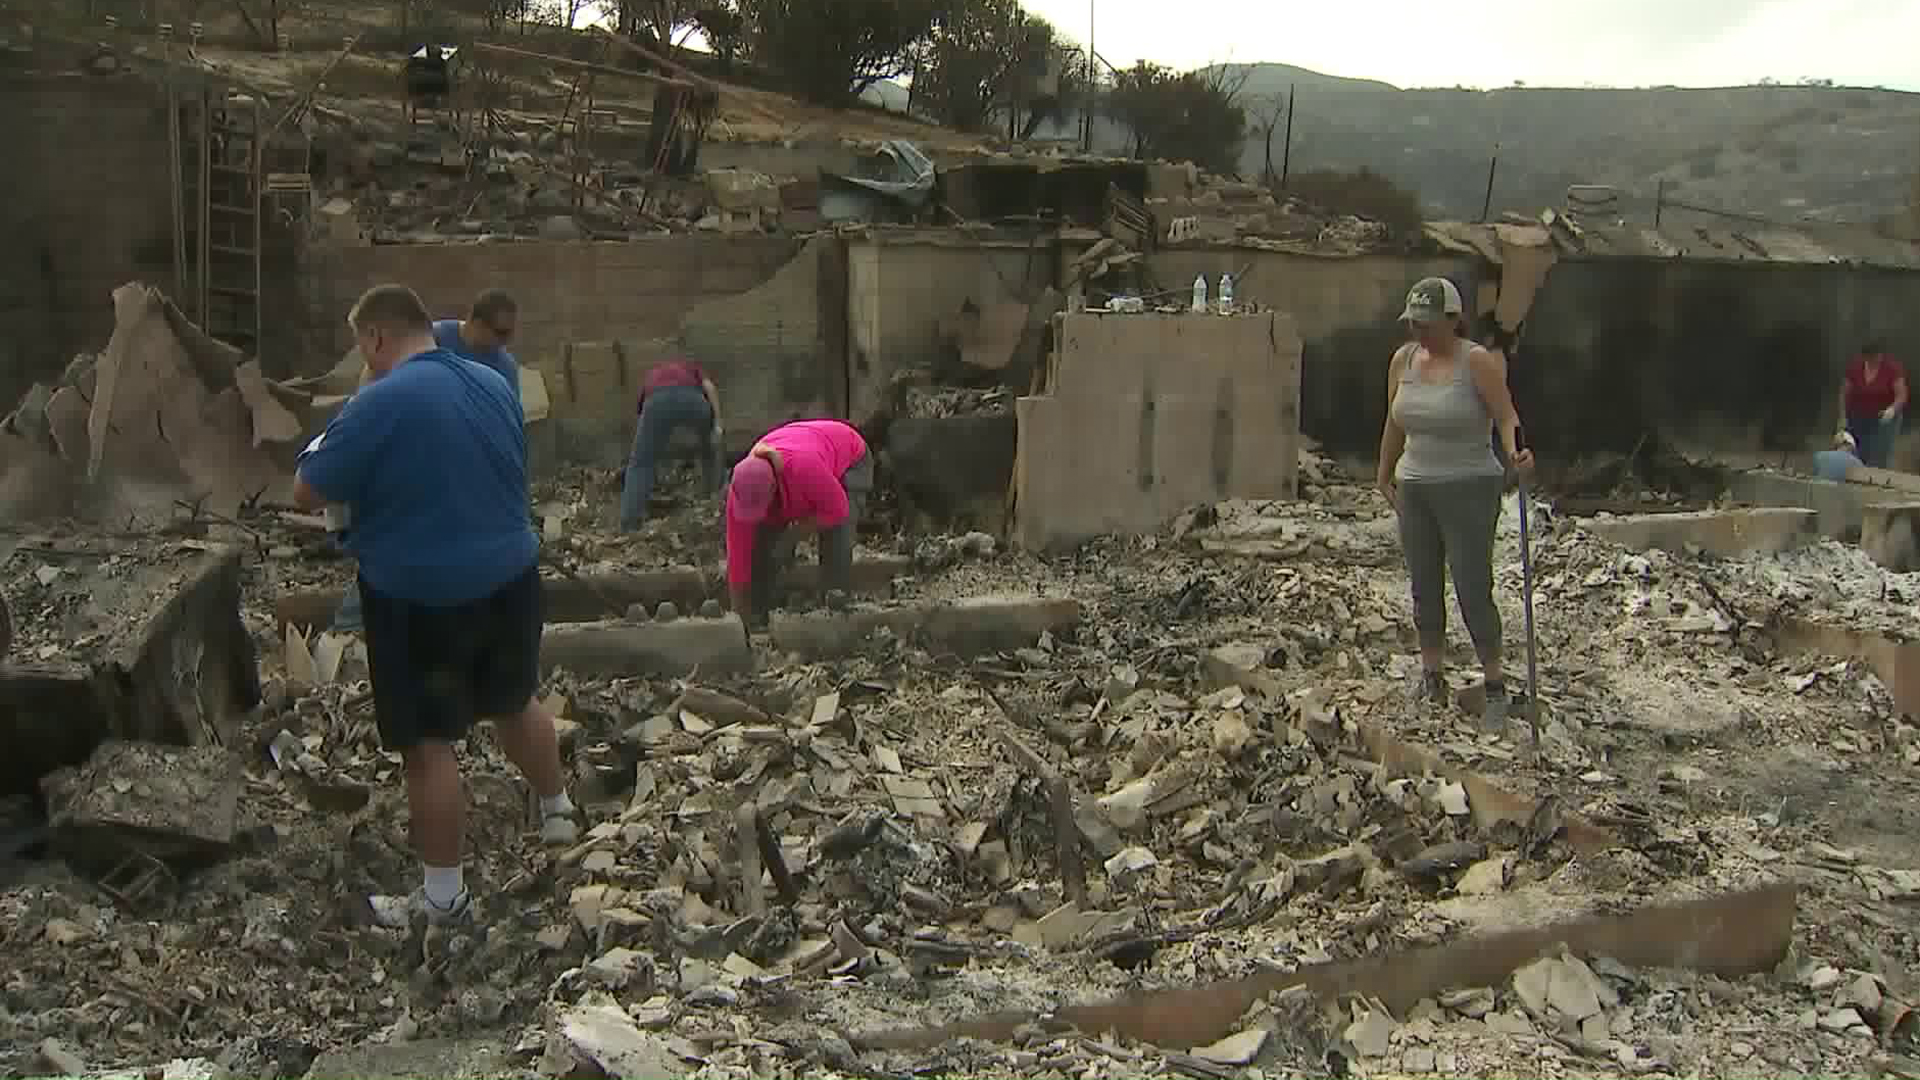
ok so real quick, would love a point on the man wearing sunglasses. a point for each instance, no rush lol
(483, 335)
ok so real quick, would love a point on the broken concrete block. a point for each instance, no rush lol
(619, 968)
(1484, 878)
(1231, 734)
(167, 802)
(742, 189)
(58, 1059)
(1371, 1032)
(1863, 994)
(1239, 1049)
(1130, 863)
(613, 649)
(604, 1036)
(1563, 985)
(1243, 665)
(184, 675)
(1840, 1020)
(1724, 533)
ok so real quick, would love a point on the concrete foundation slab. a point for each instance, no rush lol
(615, 649)
(966, 627)
(1725, 533)
(601, 596)
(1840, 506)
(1890, 535)
(150, 649)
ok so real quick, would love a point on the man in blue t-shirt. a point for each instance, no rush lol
(429, 461)
(483, 335)
(482, 338)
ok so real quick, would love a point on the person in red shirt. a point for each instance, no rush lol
(675, 395)
(1873, 401)
(808, 476)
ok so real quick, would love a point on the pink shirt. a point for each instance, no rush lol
(814, 455)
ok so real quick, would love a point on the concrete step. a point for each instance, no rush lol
(1725, 533)
(603, 596)
(966, 627)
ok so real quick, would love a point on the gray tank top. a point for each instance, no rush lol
(1447, 425)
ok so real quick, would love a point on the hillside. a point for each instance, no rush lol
(1782, 152)
(1836, 154)
(1773, 151)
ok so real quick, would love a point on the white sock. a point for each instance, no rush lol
(557, 806)
(444, 886)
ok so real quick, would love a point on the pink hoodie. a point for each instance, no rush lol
(814, 455)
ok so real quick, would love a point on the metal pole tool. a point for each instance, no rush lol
(1526, 602)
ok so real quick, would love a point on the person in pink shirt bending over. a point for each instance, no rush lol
(806, 476)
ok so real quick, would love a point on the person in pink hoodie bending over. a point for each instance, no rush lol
(806, 476)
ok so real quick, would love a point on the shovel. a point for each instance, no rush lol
(1526, 604)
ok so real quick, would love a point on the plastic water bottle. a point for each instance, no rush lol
(1199, 293)
(1226, 293)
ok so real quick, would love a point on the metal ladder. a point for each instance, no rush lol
(229, 186)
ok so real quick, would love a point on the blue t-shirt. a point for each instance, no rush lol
(446, 333)
(431, 462)
(1834, 464)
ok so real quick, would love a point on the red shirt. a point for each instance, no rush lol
(1868, 397)
(671, 373)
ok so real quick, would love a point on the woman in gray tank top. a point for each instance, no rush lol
(1439, 472)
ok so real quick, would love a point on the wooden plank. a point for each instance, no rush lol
(579, 65)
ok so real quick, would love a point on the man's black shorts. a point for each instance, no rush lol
(436, 669)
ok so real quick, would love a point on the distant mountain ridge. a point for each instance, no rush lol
(1778, 152)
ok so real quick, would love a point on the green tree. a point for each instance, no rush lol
(654, 23)
(986, 59)
(1192, 117)
(829, 51)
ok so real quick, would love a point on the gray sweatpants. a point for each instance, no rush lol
(1449, 525)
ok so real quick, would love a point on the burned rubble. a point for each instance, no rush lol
(792, 869)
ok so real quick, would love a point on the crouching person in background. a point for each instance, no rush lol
(807, 476)
(675, 396)
(430, 460)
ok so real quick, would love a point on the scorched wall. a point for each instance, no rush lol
(568, 291)
(84, 208)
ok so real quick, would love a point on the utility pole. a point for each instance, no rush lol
(1493, 163)
(1286, 148)
(1093, 77)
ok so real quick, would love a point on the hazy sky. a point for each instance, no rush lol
(1494, 42)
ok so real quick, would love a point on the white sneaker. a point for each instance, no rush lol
(559, 830)
(399, 912)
